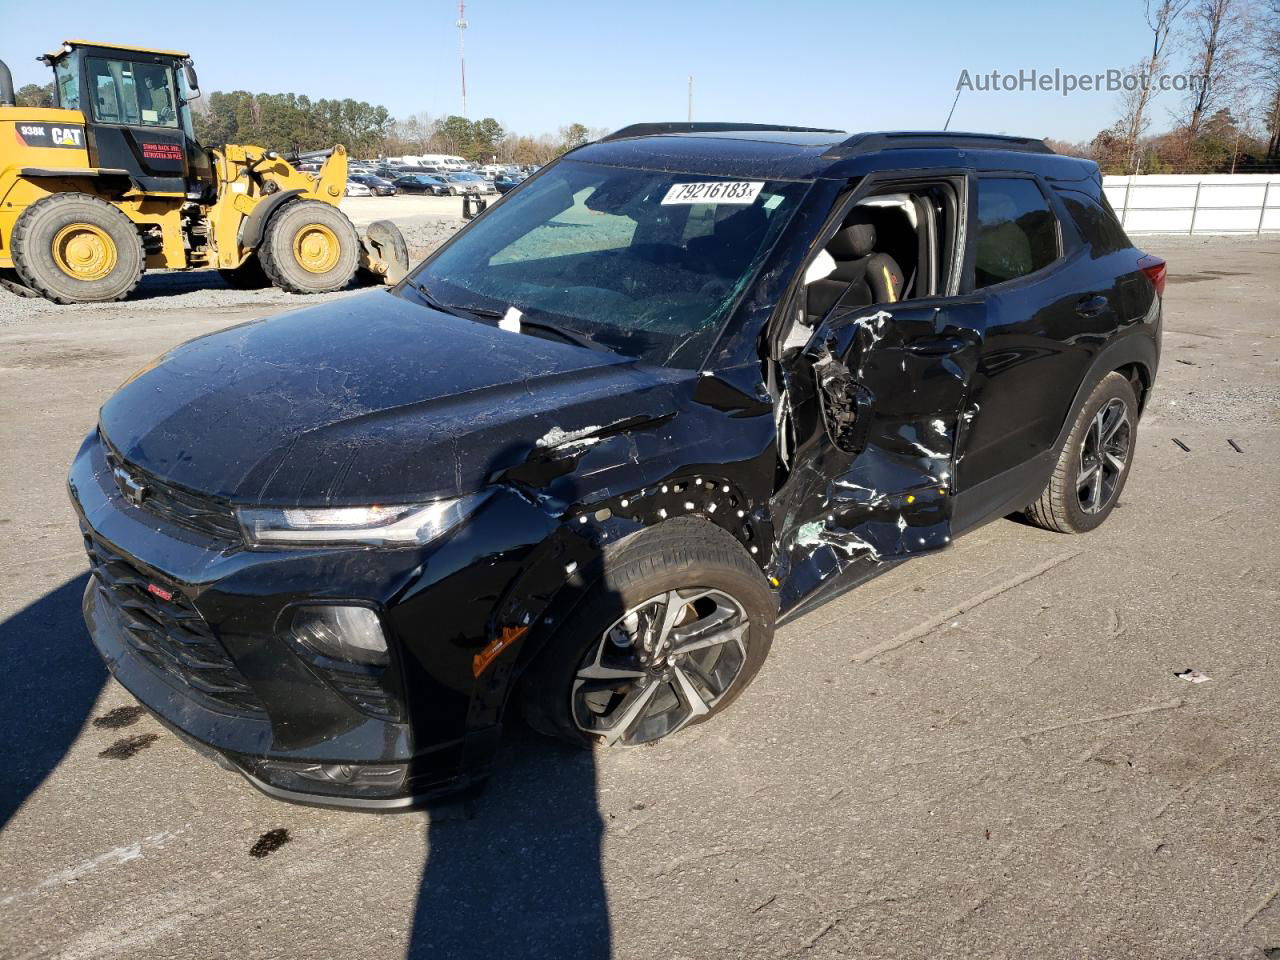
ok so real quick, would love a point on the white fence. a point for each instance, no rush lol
(1243, 203)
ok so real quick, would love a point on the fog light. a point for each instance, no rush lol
(352, 781)
(390, 775)
(352, 634)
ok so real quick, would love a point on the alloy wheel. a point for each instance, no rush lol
(1103, 455)
(660, 666)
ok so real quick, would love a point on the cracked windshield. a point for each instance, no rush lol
(642, 262)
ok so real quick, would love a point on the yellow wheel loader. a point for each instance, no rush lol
(112, 181)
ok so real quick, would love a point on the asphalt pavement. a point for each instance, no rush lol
(987, 752)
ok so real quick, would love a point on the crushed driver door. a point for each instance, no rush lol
(875, 481)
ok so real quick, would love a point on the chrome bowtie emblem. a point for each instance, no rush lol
(133, 489)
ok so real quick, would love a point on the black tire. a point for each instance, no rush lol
(679, 554)
(248, 276)
(1062, 507)
(291, 222)
(41, 226)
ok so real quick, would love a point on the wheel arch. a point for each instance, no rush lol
(1134, 356)
(255, 224)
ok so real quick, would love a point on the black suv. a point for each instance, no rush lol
(682, 384)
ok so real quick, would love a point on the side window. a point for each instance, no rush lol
(133, 93)
(1017, 233)
(67, 75)
(1099, 227)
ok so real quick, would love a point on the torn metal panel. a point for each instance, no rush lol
(876, 482)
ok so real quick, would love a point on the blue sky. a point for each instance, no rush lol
(535, 67)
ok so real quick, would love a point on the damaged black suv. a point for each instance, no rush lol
(682, 384)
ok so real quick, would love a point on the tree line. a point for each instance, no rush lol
(1226, 120)
(287, 122)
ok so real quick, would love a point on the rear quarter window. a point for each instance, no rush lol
(1098, 226)
(1017, 233)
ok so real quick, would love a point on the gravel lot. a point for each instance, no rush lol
(983, 753)
(426, 222)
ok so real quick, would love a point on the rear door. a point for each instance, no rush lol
(874, 481)
(1049, 309)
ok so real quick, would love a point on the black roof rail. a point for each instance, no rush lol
(927, 139)
(678, 126)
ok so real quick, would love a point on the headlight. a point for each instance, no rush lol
(407, 523)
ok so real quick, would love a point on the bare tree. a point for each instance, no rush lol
(1267, 58)
(1217, 35)
(1162, 15)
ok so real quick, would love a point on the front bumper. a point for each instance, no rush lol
(205, 655)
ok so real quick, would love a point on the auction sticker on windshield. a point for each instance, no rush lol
(715, 191)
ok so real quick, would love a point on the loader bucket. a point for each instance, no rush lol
(383, 252)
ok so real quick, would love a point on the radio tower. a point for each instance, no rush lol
(462, 51)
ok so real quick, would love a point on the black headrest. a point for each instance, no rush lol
(855, 240)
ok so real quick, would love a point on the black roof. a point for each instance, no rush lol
(794, 152)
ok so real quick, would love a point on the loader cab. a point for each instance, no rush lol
(136, 105)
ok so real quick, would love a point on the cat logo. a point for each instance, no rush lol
(39, 135)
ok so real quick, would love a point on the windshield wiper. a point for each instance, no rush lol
(471, 313)
(570, 336)
(435, 303)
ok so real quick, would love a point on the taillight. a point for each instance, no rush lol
(1155, 268)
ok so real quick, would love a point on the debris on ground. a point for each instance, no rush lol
(1192, 676)
(1182, 445)
(127, 747)
(269, 843)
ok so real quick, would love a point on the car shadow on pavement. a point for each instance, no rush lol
(52, 677)
(522, 877)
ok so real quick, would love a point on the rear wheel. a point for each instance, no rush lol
(310, 247)
(75, 248)
(1094, 463)
(674, 631)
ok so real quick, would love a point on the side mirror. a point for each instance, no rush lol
(193, 82)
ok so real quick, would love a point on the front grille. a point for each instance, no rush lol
(186, 508)
(169, 633)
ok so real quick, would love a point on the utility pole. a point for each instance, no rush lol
(462, 52)
(691, 98)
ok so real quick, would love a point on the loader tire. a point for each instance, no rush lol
(75, 248)
(310, 247)
(248, 276)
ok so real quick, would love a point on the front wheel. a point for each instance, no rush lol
(672, 633)
(310, 247)
(1094, 462)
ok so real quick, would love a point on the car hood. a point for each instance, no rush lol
(367, 399)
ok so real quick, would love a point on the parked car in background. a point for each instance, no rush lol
(422, 183)
(505, 182)
(470, 183)
(357, 189)
(377, 185)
